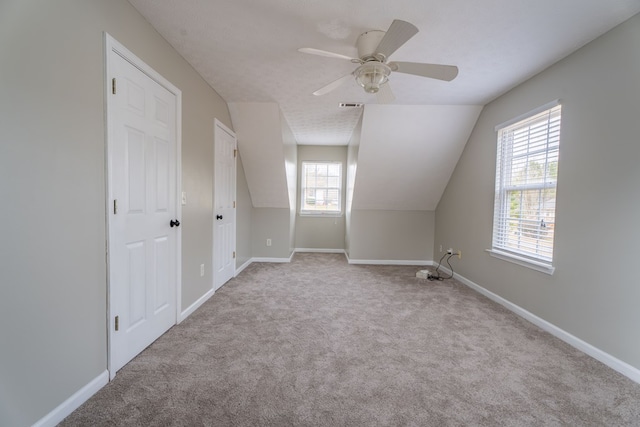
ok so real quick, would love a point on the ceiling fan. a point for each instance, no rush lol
(374, 49)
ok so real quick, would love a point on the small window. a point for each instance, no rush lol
(321, 184)
(525, 197)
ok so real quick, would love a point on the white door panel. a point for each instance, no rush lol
(224, 222)
(142, 168)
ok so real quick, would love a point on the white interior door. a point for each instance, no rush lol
(224, 222)
(143, 210)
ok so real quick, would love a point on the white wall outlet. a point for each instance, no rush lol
(268, 242)
(201, 270)
(440, 248)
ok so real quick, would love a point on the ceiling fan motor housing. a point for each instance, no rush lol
(367, 44)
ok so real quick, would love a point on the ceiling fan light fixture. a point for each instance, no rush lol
(371, 75)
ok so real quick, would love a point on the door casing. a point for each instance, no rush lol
(113, 46)
(218, 281)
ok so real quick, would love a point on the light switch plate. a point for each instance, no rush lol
(184, 198)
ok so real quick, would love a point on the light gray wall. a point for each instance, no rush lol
(243, 217)
(321, 232)
(594, 292)
(274, 224)
(52, 181)
(391, 235)
(378, 234)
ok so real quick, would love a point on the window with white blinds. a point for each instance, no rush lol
(321, 185)
(525, 197)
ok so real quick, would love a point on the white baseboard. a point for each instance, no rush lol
(387, 261)
(320, 250)
(263, 259)
(335, 251)
(614, 363)
(63, 410)
(193, 307)
(267, 259)
(242, 267)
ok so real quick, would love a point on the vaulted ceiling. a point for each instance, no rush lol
(247, 50)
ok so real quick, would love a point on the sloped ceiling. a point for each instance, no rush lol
(262, 149)
(247, 49)
(407, 154)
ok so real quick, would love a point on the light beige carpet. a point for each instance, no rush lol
(318, 342)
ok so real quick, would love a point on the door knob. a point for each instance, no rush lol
(173, 223)
(218, 216)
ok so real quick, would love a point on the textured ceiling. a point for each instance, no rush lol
(247, 49)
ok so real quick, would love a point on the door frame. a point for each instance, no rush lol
(111, 45)
(218, 124)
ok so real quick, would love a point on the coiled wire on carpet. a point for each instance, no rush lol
(436, 275)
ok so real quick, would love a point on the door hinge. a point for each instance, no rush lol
(115, 206)
(117, 323)
(234, 204)
(234, 254)
(113, 85)
(235, 152)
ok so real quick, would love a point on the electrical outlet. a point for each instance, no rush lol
(268, 242)
(459, 254)
(440, 248)
(201, 270)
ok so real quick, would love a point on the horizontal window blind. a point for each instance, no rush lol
(321, 185)
(526, 178)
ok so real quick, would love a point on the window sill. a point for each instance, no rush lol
(320, 215)
(534, 265)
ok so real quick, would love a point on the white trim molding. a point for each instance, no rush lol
(65, 409)
(614, 363)
(193, 307)
(525, 262)
(335, 251)
(388, 261)
(112, 46)
(528, 114)
(320, 250)
(243, 266)
(266, 259)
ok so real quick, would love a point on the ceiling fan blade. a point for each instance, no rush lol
(398, 34)
(333, 85)
(433, 71)
(319, 52)
(385, 95)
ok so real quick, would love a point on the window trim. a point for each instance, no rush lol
(535, 263)
(520, 260)
(521, 117)
(318, 213)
